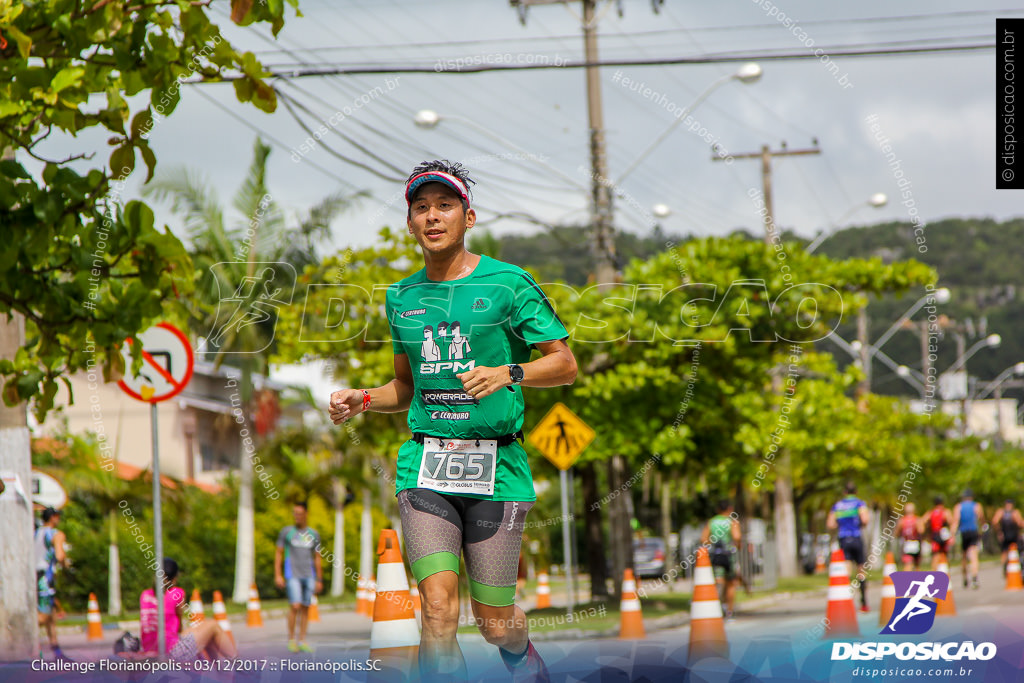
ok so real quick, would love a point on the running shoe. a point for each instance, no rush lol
(527, 667)
(293, 646)
(864, 608)
(304, 647)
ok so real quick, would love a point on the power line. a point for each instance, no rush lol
(724, 58)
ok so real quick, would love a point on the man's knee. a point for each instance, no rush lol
(441, 615)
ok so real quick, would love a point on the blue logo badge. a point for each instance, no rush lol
(914, 612)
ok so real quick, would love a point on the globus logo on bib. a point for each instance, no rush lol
(440, 366)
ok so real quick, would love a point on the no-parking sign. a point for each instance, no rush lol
(166, 364)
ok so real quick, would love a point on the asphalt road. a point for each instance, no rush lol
(773, 638)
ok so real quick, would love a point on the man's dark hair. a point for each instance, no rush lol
(451, 168)
(724, 504)
(302, 504)
(170, 569)
(850, 487)
(938, 500)
(50, 513)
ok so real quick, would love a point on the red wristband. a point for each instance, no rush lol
(366, 399)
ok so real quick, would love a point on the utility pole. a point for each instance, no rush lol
(765, 155)
(602, 240)
(602, 244)
(785, 510)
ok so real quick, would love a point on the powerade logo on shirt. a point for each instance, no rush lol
(444, 397)
(914, 614)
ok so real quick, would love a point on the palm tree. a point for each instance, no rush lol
(226, 260)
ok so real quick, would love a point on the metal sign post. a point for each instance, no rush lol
(158, 381)
(561, 436)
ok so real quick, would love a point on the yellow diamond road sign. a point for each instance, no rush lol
(561, 436)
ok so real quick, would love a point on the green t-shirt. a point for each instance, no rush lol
(489, 318)
(721, 530)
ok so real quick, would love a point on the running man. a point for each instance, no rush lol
(722, 535)
(1008, 523)
(49, 542)
(850, 516)
(910, 531)
(463, 482)
(968, 517)
(299, 569)
(940, 521)
(915, 604)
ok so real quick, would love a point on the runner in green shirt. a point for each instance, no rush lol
(722, 536)
(463, 330)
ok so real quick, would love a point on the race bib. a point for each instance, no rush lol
(945, 534)
(911, 547)
(458, 465)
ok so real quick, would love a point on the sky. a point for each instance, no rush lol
(524, 135)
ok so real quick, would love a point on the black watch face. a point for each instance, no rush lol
(516, 372)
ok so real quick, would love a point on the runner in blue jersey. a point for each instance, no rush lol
(849, 517)
(968, 518)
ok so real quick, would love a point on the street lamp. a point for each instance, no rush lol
(661, 210)
(876, 201)
(429, 119)
(991, 341)
(1015, 369)
(746, 74)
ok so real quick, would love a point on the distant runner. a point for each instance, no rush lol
(463, 329)
(911, 531)
(299, 569)
(940, 523)
(1008, 523)
(849, 516)
(50, 553)
(968, 518)
(724, 535)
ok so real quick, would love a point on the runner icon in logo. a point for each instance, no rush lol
(916, 587)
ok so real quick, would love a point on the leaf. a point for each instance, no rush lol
(12, 169)
(67, 77)
(149, 158)
(142, 123)
(122, 162)
(23, 41)
(113, 369)
(239, 10)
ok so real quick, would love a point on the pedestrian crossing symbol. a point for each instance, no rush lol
(561, 436)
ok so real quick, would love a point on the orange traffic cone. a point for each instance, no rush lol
(95, 625)
(313, 615)
(361, 603)
(395, 634)
(544, 591)
(841, 614)
(371, 595)
(888, 591)
(221, 615)
(195, 607)
(632, 622)
(1013, 578)
(820, 567)
(947, 607)
(707, 628)
(254, 614)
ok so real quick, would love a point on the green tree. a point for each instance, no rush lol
(78, 271)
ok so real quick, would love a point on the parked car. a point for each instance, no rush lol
(649, 557)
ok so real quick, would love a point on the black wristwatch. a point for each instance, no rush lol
(515, 373)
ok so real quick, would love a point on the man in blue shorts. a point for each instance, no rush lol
(849, 517)
(299, 569)
(463, 329)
